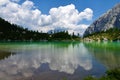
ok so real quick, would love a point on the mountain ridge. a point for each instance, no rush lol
(110, 19)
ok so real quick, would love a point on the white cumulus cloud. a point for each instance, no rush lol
(61, 18)
(3, 2)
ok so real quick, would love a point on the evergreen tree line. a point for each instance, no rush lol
(12, 32)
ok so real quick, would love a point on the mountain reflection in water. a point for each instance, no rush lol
(49, 61)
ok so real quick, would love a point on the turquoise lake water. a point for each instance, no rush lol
(57, 60)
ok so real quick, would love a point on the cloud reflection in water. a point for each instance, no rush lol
(62, 58)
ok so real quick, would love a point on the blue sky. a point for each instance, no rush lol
(46, 15)
(98, 6)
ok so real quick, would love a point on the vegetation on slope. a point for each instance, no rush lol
(113, 74)
(112, 34)
(12, 32)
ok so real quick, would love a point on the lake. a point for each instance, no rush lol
(57, 60)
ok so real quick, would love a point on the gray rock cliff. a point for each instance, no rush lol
(111, 19)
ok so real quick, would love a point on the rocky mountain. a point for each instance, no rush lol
(111, 19)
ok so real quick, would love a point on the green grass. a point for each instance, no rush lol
(113, 74)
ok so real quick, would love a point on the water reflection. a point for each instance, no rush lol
(61, 57)
(107, 53)
(4, 54)
(56, 60)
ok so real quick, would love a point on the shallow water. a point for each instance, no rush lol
(56, 60)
